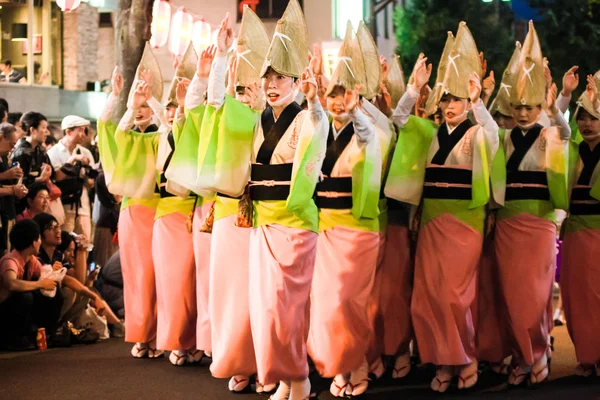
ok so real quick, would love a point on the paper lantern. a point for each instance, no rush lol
(181, 32)
(68, 5)
(161, 22)
(202, 35)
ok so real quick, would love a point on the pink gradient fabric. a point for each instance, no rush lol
(580, 288)
(525, 247)
(340, 327)
(201, 242)
(445, 283)
(139, 284)
(232, 346)
(173, 255)
(282, 261)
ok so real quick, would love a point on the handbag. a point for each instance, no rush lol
(53, 191)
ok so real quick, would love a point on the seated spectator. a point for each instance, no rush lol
(11, 190)
(50, 142)
(8, 74)
(76, 294)
(38, 201)
(72, 249)
(29, 151)
(110, 284)
(75, 173)
(23, 309)
(15, 120)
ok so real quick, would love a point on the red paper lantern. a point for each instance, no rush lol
(68, 5)
(181, 32)
(202, 35)
(161, 22)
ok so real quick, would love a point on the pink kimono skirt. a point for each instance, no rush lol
(173, 254)
(445, 283)
(139, 285)
(392, 293)
(232, 346)
(525, 247)
(201, 241)
(282, 261)
(580, 288)
(340, 329)
(491, 333)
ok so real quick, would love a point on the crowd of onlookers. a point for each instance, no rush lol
(60, 267)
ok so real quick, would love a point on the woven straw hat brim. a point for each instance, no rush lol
(462, 61)
(394, 82)
(186, 69)
(288, 52)
(252, 48)
(149, 62)
(530, 85)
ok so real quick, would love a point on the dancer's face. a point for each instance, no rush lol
(144, 114)
(336, 105)
(504, 122)
(278, 88)
(454, 109)
(170, 114)
(589, 126)
(526, 116)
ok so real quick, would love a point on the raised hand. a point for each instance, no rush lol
(181, 91)
(489, 84)
(255, 96)
(351, 98)
(570, 81)
(483, 64)
(225, 36)
(318, 60)
(142, 94)
(146, 76)
(383, 101)
(385, 68)
(592, 91)
(422, 73)
(551, 99)
(205, 61)
(308, 83)
(474, 87)
(116, 82)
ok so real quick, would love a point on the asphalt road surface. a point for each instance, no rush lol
(107, 371)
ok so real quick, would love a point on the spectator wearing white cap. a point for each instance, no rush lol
(75, 173)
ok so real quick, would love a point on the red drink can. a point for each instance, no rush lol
(41, 339)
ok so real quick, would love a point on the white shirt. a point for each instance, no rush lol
(59, 155)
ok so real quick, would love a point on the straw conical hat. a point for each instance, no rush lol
(585, 102)
(462, 61)
(394, 82)
(149, 62)
(349, 70)
(436, 94)
(252, 47)
(372, 65)
(185, 69)
(288, 52)
(530, 86)
(501, 103)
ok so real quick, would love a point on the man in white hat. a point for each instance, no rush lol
(74, 166)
